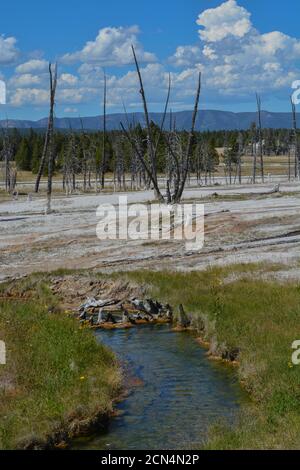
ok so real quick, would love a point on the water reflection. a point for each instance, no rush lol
(182, 392)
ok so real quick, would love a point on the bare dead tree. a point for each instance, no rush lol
(152, 145)
(91, 164)
(136, 171)
(205, 161)
(240, 152)
(139, 179)
(182, 162)
(295, 146)
(71, 164)
(186, 160)
(10, 172)
(86, 160)
(151, 148)
(49, 132)
(119, 167)
(170, 168)
(176, 149)
(183, 165)
(227, 161)
(254, 154)
(49, 136)
(289, 163)
(260, 140)
(199, 155)
(103, 163)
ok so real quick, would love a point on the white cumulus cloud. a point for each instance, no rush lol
(31, 96)
(236, 58)
(66, 79)
(228, 19)
(34, 65)
(25, 80)
(112, 47)
(8, 50)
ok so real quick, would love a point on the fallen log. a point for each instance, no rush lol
(113, 313)
(93, 303)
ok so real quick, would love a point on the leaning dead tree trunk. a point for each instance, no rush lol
(119, 167)
(103, 163)
(170, 168)
(49, 130)
(253, 144)
(71, 165)
(151, 170)
(10, 172)
(199, 162)
(49, 136)
(43, 160)
(227, 161)
(239, 162)
(151, 148)
(295, 140)
(149, 160)
(86, 158)
(260, 140)
(177, 196)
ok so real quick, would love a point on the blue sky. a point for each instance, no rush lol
(243, 47)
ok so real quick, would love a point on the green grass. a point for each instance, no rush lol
(231, 307)
(55, 372)
(262, 319)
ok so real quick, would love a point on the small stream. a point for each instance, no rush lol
(179, 393)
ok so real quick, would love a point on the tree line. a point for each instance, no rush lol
(27, 147)
(144, 153)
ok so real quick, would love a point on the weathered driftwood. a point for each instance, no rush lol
(275, 190)
(111, 313)
(93, 303)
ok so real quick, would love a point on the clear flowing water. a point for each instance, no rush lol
(180, 393)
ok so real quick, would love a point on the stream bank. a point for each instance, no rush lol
(230, 307)
(176, 393)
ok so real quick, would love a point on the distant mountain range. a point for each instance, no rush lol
(207, 120)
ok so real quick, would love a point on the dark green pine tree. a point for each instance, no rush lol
(23, 156)
(36, 157)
